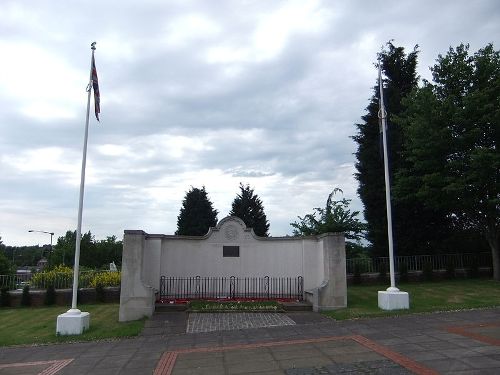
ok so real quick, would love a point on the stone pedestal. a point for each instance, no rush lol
(72, 322)
(393, 299)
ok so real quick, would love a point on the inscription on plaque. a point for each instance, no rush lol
(230, 251)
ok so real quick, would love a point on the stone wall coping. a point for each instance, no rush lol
(218, 227)
(238, 221)
(206, 236)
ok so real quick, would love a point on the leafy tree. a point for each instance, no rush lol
(5, 265)
(197, 214)
(451, 147)
(93, 254)
(24, 255)
(65, 248)
(335, 217)
(249, 208)
(108, 251)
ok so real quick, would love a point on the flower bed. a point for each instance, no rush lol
(182, 301)
(211, 306)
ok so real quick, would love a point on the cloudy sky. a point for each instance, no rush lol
(196, 93)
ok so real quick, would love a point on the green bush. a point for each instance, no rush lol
(60, 277)
(106, 278)
(403, 272)
(357, 274)
(5, 297)
(473, 270)
(427, 271)
(99, 293)
(50, 295)
(26, 297)
(382, 272)
(450, 269)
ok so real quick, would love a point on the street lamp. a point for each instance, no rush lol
(51, 234)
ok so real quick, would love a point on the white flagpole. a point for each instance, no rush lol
(76, 269)
(382, 114)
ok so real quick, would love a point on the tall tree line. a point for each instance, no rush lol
(451, 148)
(443, 151)
(401, 78)
(197, 214)
(94, 253)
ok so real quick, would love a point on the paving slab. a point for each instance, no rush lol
(209, 322)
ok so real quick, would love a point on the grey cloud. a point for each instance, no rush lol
(302, 104)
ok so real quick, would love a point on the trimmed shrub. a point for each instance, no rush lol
(60, 277)
(473, 270)
(427, 271)
(107, 278)
(450, 270)
(382, 272)
(26, 297)
(99, 291)
(356, 280)
(5, 297)
(50, 295)
(403, 272)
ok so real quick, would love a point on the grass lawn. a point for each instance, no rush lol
(362, 301)
(38, 325)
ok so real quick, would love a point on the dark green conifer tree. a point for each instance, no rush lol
(249, 208)
(197, 214)
(401, 78)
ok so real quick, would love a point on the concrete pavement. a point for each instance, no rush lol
(466, 342)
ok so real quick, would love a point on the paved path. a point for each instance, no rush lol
(457, 343)
(209, 322)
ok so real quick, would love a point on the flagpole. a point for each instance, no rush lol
(383, 118)
(76, 268)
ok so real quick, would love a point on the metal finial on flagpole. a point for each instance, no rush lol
(92, 45)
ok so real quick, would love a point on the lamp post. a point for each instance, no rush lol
(51, 235)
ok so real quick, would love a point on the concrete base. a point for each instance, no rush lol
(72, 322)
(393, 299)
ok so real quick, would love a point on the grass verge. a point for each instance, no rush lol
(38, 325)
(362, 301)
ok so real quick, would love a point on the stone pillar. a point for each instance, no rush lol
(332, 293)
(136, 298)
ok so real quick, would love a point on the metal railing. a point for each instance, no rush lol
(418, 262)
(232, 287)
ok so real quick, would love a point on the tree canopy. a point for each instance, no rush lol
(249, 208)
(400, 79)
(5, 265)
(197, 214)
(335, 217)
(452, 129)
(93, 253)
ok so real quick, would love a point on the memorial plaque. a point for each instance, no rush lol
(230, 251)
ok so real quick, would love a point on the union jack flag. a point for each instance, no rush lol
(95, 86)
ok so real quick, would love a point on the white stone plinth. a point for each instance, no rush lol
(72, 322)
(393, 299)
